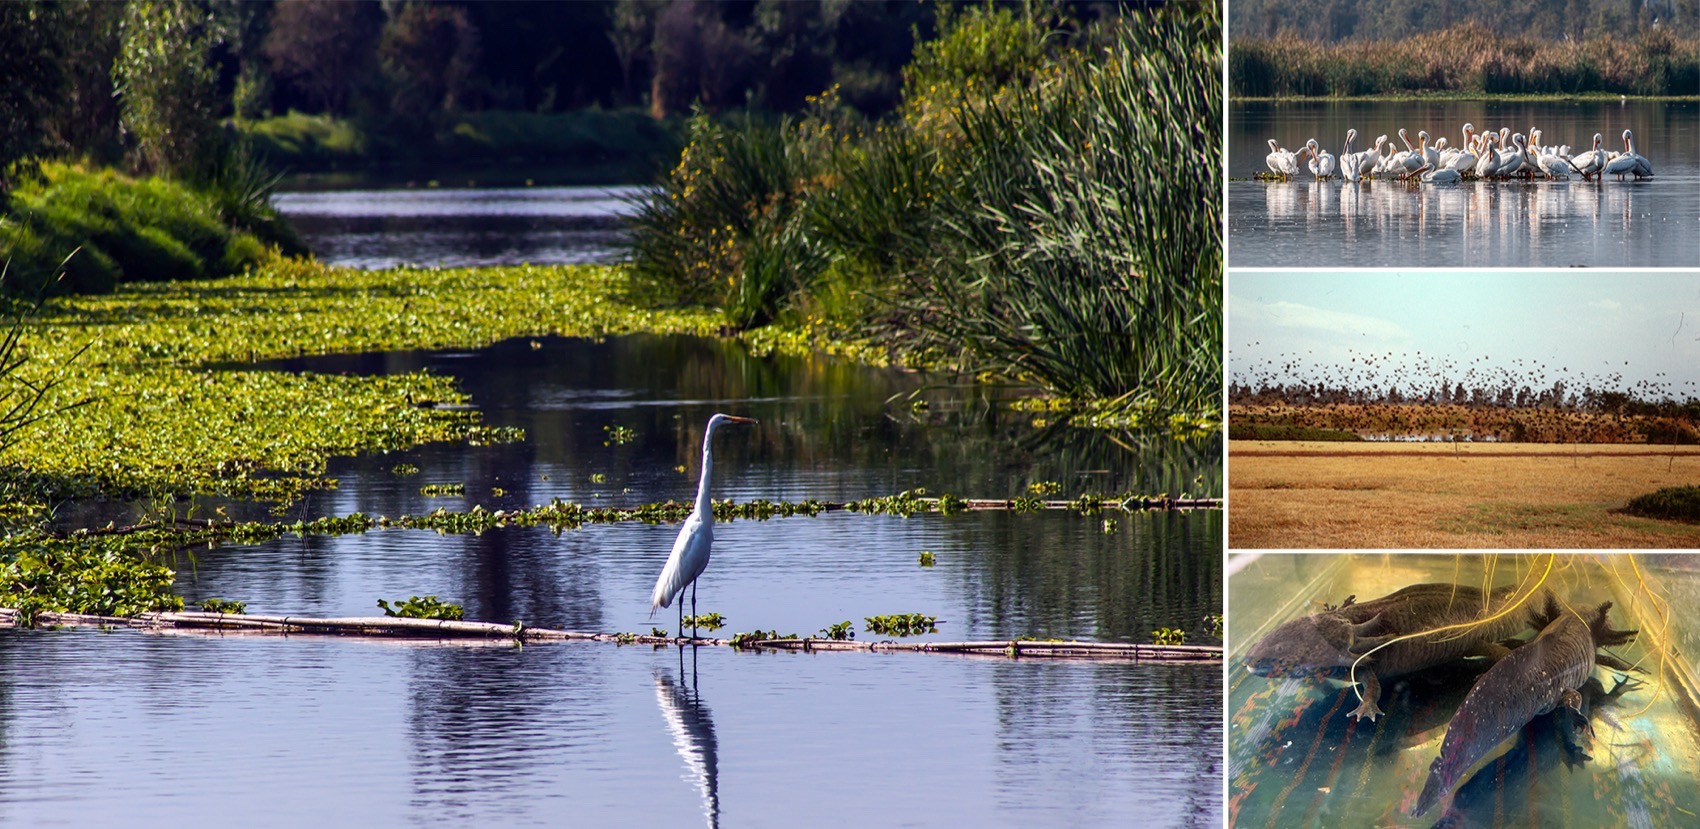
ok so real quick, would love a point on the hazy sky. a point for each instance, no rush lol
(1590, 323)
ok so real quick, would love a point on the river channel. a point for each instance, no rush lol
(160, 729)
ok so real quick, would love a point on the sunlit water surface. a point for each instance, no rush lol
(460, 227)
(158, 729)
(1304, 223)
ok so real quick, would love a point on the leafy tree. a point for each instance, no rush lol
(430, 53)
(29, 64)
(323, 47)
(168, 93)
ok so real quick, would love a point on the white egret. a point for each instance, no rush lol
(690, 549)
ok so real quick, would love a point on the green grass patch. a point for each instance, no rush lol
(127, 229)
(1678, 503)
(1263, 431)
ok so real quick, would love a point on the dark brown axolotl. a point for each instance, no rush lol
(1532, 680)
(1329, 642)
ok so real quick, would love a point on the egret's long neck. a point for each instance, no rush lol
(704, 504)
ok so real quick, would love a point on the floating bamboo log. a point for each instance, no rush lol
(398, 627)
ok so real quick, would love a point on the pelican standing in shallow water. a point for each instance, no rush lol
(690, 549)
(1591, 162)
(1322, 162)
(1281, 162)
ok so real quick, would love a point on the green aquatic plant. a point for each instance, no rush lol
(423, 607)
(41, 574)
(903, 624)
(839, 631)
(436, 490)
(224, 606)
(404, 470)
(1213, 625)
(1168, 636)
(706, 621)
(928, 559)
(618, 435)
(750, 638)
(1044, 488)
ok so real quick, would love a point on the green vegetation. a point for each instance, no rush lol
(706, 621)
(98, 577)
(618, 435)
(404, 469)
(224, 606)
(1680, 503)
(1213, 625)
(1011, 219)
(750, 638)
(1265, 431)
(839, 631)
(169, 418)
(129, 229)
(1168, 636)
(928, 559)
(903, 624)
(1468, 58)
(423, 607)
(439, 490)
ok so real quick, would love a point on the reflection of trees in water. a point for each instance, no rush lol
(1059, 574)
(485, 721)
(1157, 726)
(691, 726)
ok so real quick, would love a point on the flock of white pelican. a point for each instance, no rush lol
(1483, 155)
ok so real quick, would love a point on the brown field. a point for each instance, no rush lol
(1295, 494)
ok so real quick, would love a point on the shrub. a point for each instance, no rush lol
(1681, 503)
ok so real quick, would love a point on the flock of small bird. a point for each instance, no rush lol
(1482, 155)
(1415, 377)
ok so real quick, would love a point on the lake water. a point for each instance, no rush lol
(1305, 223)
(1297, 760)
(461, 227)
(158, 729)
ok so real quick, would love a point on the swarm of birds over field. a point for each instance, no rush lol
(1399, 394)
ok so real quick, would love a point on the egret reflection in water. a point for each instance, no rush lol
(692, 729)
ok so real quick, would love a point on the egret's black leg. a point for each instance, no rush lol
(693, 611)
(681, 616)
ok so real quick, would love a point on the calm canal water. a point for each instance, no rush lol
(98, 726)
(1302, 223)
(461, 227)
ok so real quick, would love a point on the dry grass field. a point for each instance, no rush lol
(1300, 494)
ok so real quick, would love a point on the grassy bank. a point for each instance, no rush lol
(1010, 219)
(620, 146)
(126, 229)
(1465, 59)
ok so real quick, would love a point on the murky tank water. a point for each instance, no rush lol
(1303, 222)
(1297, 760)
(461, 227)
(286, 731)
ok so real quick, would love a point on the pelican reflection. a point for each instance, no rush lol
(692, 729)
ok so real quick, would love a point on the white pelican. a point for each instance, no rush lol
(1643, 167)
(1591, 162)
(1321, 162)
(1444, 175)
(1511, 161)
(1431, 156)
(1488, 165)
(1281, 162)
(1349, 159)
(1369, 160)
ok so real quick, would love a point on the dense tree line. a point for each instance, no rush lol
(1333, 20)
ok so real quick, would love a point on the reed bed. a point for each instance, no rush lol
(1464, 59)
(1059, 225)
